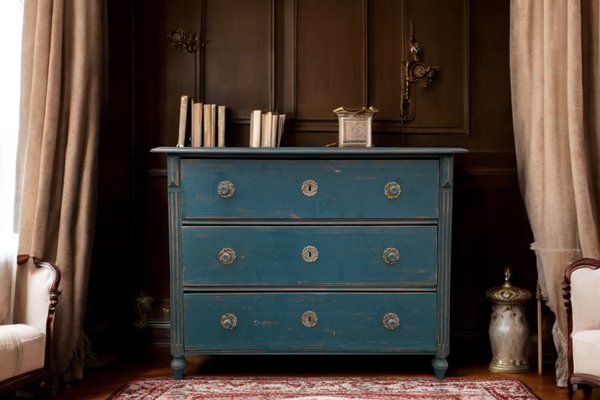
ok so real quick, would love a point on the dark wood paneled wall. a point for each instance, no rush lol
(304, 58)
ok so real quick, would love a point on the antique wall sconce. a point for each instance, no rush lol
(415, 72)
(190, 42)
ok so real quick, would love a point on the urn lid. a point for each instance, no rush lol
(363, 112)
(507, 293)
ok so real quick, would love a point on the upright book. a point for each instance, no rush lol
(255, 128)
(196, 125)
(183, 111)
(265, 132)
(209, 125)
(221, 126)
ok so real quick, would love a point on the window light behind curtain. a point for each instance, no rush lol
(11, 18)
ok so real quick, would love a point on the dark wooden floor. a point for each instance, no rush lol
(115, 371)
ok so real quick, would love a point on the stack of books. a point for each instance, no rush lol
(266, 128)
(207, 124)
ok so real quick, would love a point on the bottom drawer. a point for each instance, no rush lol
(310, 322)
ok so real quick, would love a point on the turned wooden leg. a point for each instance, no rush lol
(178, 364)
(440, 365)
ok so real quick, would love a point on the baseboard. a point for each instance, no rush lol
(159, 333)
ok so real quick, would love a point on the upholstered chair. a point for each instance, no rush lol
(25, 345)
(581, 291)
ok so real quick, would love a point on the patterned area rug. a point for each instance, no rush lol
(282, 388)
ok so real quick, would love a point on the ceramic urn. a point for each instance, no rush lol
(509, 332)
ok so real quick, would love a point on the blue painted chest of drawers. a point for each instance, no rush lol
(310, 250)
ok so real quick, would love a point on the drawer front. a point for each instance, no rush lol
(309, 188)
(310, 322)
(399, 256)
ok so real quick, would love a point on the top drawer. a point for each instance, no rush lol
(283, 189)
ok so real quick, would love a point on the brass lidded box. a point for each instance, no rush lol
(355, 126)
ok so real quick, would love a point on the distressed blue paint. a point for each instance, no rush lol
(350, 221)
(271, 322)
(346, 188)
(348, 255)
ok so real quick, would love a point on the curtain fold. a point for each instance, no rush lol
(11, 16)
(58, 140)
(556, 137)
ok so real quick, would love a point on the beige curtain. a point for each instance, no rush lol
(11, 15)
(555, 74)
(60, 109)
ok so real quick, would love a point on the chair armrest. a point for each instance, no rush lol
(581, 291)
(36, 292)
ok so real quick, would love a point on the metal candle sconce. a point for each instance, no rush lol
(190, 42)
(415, 72)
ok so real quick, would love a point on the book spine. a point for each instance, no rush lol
(274, 126)
(212, 131)
(221, 126)
(267, 121)
(280, 126)
(255, 128)
(207, 124)
(183, 108)
(196, 124)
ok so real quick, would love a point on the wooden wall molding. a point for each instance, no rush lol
(299, 38)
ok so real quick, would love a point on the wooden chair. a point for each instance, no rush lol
(26, 344)
(581, 292)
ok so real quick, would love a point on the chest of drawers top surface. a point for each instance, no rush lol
(304, 152)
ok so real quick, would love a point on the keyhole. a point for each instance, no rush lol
(310, 187)
(309, 319)
(310, 254)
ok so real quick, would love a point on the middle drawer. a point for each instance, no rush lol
(328, 256)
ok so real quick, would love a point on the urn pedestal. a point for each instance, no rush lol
(508, 331)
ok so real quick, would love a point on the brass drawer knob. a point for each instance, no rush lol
(391, 321)
(310, 254)
(391, 255)
(227, 256)
(310, 188)
(309, 319)
(226, 189)
(228, 321)
(392, 190)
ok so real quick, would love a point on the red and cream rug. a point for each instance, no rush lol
(282, 388)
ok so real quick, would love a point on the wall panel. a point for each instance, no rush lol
(330, 57)
(442, 32)
(238, 55)
(387, 44)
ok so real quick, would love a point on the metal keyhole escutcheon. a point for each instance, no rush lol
(309, 319)
(310, 254)
(310, 188)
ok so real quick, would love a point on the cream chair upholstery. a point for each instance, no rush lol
(582, 300)
(25, 345)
